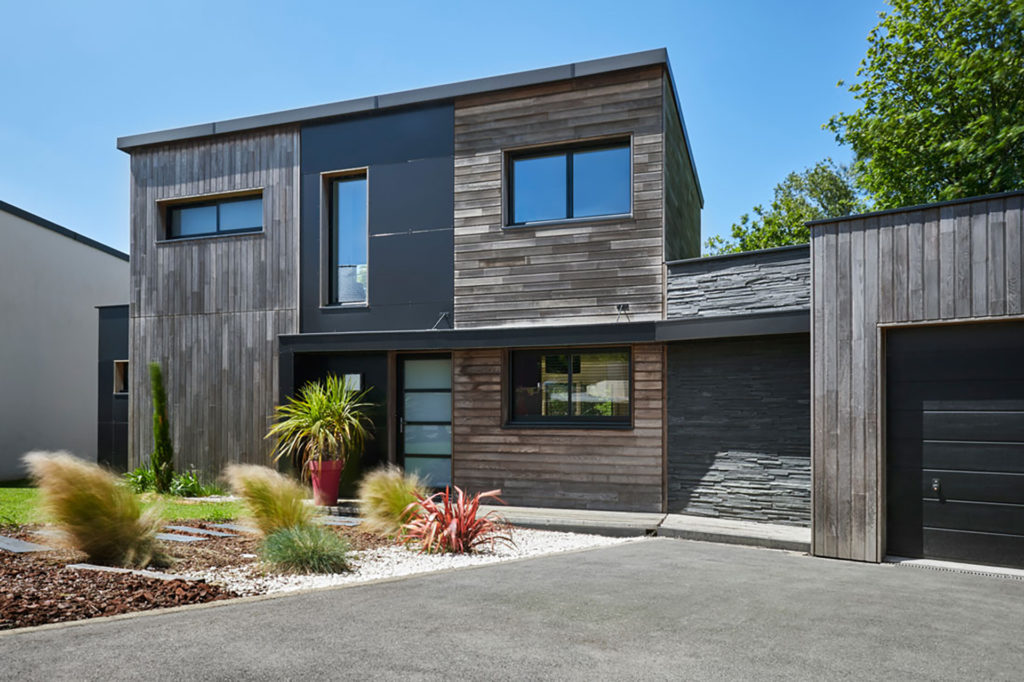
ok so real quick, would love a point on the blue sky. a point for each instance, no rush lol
(756, 80)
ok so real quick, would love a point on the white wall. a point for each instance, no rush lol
(50, 286)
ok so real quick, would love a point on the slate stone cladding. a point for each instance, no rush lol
(773, 280)
(739, 429)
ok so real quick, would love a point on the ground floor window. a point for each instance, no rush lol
(570, 387)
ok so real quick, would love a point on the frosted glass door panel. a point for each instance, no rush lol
(437, 471)
(428, 373)
(428, 407)
(428, 439)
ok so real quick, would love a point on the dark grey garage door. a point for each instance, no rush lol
(955, 437)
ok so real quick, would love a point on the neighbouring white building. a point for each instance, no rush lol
(51, 280)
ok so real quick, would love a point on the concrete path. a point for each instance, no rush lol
(654, 609)
(685, 526)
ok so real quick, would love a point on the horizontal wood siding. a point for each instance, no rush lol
(210, 310)
(575, 468)
(946, 263)
(570, 273)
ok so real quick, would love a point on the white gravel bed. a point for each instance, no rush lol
(395, 561)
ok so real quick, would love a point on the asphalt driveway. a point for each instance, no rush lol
(656, 609)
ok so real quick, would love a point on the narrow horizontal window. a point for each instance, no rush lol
(578, 182)
(582, 387)
(348, 234)
(224, 216)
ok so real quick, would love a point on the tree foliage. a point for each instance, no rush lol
(825, 190)
(162, 459)
(942, 102)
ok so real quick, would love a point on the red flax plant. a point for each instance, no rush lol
(448, 523)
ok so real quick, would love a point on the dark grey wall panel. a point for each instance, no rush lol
(112, 409)
(409, 156)
(754, 282)
(374, 370)
(739, 429)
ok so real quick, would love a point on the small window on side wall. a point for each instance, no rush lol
(576, 182)
(120, 376)
(349, 269)
(215, 217)
(570, 387)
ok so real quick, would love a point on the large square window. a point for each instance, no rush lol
(348, 239)
(215, 217)
(577, 182)
(582, 387)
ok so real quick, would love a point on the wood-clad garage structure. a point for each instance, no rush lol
(917, 421)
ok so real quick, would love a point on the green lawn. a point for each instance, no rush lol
(18, 506)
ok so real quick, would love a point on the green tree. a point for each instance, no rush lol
(162, 459)
(942, 102)
(825, 190)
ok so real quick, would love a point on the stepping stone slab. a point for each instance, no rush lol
(234, 526)
(114, 569)
(202, 531)
(174, 537)
(339, 520)
(20, 546)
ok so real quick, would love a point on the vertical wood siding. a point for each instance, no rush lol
(571, 273)
(944, 263)
(576, 468)
(210, 310)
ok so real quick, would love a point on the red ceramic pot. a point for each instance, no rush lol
(325, 476)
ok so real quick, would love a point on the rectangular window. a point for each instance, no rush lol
(222, 216)
(582, 387)
(120, 376)
(348, 235)
(579, 182)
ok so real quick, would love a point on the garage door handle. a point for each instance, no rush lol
(936, 486)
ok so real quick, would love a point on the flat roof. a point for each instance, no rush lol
(403, 98)
(916, 207)
(421, 96)
(60, 229)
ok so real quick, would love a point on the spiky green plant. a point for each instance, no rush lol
(305, 549)
(162, 459)
(272, 500)
(326, 422)
(387, 498)
(98, 513)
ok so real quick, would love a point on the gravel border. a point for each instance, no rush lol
(397, 561)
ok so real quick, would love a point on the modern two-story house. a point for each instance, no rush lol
(510, 266)
(492, 258)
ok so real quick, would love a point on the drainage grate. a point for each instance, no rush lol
(952, 567)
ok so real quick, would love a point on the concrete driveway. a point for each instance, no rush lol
(654, 609)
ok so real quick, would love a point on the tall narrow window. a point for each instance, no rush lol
(349, 239)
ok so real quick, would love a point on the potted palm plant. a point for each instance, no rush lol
(320, 431)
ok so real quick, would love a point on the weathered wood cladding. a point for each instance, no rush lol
(575, 468)
(773, 280)
(947, 263)
(571, 272)
(210, 309)
(682, 195)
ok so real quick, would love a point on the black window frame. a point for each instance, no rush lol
(568, 150)
(218, 202)
(331, 290)
(569, 421)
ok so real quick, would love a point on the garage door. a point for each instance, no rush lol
(955, 443)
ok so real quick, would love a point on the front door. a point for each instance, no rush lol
(425, 417)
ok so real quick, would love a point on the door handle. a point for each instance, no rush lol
(401, 424)
(937, 487)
